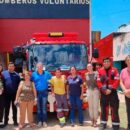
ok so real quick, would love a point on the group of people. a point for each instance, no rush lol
(33, 90)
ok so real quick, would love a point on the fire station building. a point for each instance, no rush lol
(18, 22)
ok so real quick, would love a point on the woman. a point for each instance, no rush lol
(26, 97)
(125, 85)
(1, 98)
(92, 93)
(75, 93)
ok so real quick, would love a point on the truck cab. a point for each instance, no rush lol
(57, 50)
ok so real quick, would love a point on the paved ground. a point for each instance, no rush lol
(53, 123)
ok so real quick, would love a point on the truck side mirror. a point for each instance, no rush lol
(31, 62)
(95, 53)
(36, 59)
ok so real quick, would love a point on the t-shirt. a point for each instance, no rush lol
(41, 80)
(74, 85)
(58, 84)
(125, 77)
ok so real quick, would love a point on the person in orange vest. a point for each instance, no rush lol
(108, 81)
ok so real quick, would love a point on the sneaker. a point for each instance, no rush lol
(115, 127)
(72, 124)
(81, 124)
(44, 124)
(2, 125)
(62, 125)
(39, 124)
(102, 127)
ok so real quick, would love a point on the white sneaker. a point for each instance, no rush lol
(39, 124)
(44, 124)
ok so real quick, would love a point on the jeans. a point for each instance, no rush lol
(42, 108)
(76, 104)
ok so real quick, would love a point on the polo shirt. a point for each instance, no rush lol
(11, 82)
(58, 84)
(41, 81)
(74, 85)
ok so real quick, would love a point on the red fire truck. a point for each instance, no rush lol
(56, 50)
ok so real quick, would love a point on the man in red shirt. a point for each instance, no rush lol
(125, 85)
(108, 81)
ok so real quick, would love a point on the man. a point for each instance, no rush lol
(41, 79)
(11, 82)
(108, 81)
(125, 85)
(58, 84)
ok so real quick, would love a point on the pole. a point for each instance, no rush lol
(90, 41)
(7, 58)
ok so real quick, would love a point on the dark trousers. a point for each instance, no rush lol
(128, 110)
(1, 107)
(76, 103)
(9, 99)
(110, 101)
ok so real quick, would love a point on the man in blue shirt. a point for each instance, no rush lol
(11, 81)
(41, 80)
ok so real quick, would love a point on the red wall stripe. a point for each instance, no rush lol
(14, 32)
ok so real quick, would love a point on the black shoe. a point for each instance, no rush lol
(115, 127)
(5, 123)
(15, 124)
(2, 125)
(72, 124)
(81, 124)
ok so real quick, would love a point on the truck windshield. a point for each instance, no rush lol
(61, 56)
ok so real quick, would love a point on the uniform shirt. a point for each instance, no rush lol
(74, 85)
(41, 80)
(108, 78)
(11, 82)
(125, 77)
(58, 84)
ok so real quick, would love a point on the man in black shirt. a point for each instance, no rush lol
(11, 82)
